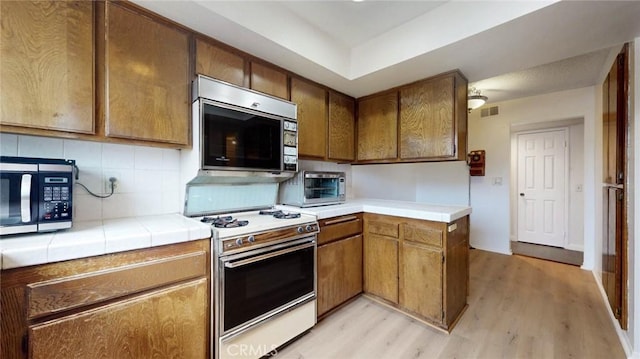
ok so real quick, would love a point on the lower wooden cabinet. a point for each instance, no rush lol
(420, 281)
(339, 261)
(381, 267)
(419, 267)
(139, 304)
(168, 323)
(339, 272)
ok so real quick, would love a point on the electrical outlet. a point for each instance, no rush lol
(107, 182)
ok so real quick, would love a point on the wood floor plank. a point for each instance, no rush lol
(519, 307)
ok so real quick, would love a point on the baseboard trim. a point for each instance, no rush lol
(555, 254)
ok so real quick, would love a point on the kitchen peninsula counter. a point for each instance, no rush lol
(93, 238)
(430, 212)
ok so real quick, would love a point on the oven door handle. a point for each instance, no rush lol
(244, 262)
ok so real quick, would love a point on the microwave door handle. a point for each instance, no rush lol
(25, 198)
(244, 262)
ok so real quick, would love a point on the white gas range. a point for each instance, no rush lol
(264, 287)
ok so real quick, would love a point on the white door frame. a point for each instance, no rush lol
(514, 180)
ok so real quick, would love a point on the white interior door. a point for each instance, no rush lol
(542, 187)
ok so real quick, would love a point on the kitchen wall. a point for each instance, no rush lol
(493, 218)
(445, 183)
(148, 177)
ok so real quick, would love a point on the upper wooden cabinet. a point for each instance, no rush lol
(312, 118)
(377, 127)
(269, 80)
(216, 62)
(146, 77)
(427, 126)
(431, 122)
(46, 65)
(342, 127)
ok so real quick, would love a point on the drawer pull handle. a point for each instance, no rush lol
(340, 220)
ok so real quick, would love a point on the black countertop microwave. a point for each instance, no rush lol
(35, 194)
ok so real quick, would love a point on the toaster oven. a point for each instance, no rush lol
(313, 188)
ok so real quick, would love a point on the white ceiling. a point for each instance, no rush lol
(507, 49)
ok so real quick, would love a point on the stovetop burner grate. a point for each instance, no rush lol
(224, 222)
(276, 213)
(284, 215)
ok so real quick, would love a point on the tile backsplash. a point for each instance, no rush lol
(148, 177)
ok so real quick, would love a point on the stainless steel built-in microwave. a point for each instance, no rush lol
(245, 130)
(35, 194)
(313, 188)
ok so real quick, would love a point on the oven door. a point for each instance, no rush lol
(18, 198)
(262, 283)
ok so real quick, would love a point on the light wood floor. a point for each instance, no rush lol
(519, 307)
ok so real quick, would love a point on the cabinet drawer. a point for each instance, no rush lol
(339, 227)
(166, 323)
(383, 228)
(57, 295)
(423, 234)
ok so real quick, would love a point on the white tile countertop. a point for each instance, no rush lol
(430, 212)
(92, 238)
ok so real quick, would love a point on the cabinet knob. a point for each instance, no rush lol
(521, 194)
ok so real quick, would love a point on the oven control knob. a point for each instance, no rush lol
(251, 239)
(239, 241)
(300, 230)
(310, 228)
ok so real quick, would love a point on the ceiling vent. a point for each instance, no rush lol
(489, 111)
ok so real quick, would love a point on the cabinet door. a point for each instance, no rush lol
(169, 323)
(377, 127)
(46, 65)
(456, 270)
(147, 78)
(381, 267)
(342, 127)
(339, 272)
(312, 118)
(269, 80)
(427, 124)
(421, 281)
(218, 63)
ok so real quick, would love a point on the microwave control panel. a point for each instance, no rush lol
(290, 143)
(55, 194)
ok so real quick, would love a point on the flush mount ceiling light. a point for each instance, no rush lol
(475, 99)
